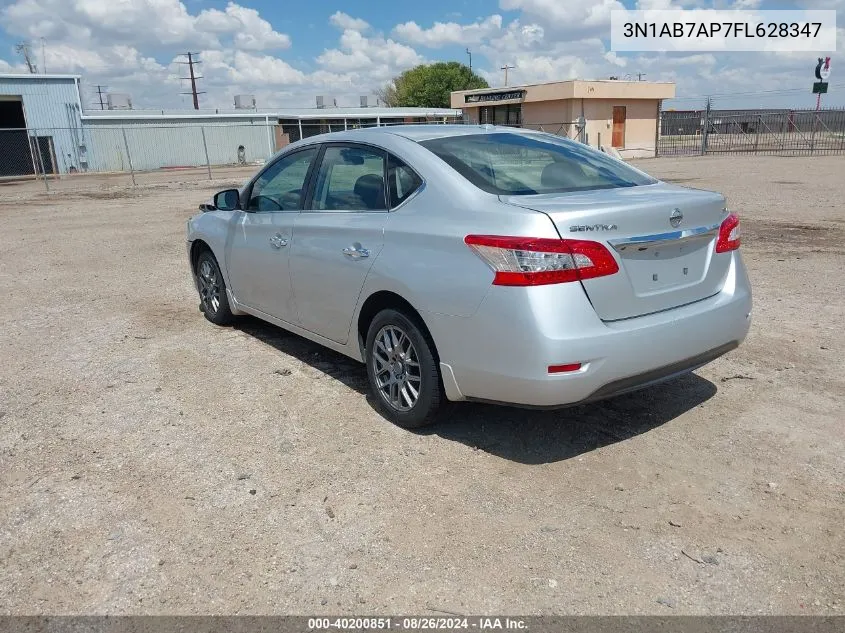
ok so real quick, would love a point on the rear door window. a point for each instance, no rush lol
(350, 178)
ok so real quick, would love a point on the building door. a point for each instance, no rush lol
(618, 138)
(16, 158)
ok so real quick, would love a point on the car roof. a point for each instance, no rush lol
(419, 132)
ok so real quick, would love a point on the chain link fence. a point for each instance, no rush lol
(779, 132)
(101, 156)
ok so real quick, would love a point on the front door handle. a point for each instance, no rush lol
(278, 241)
(356, 252)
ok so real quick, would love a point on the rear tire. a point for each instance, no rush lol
(403, 372)
(214, 302)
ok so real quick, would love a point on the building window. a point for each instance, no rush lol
(509, 114)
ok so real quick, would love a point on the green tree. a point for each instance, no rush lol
(430, 85)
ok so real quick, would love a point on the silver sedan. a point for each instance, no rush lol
(477, 263)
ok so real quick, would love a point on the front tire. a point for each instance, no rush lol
(403, 372)
(214, 302)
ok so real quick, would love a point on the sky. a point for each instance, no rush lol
(286, 53)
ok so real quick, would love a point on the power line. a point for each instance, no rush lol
(193, 77)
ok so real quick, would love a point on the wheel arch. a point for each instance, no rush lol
(384, 300)
(198, 246)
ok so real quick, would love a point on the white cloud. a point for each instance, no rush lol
(615, 59)
(130, 45)
(161, 23)
(244, 68)
(347, 22)
(567, 15)
(445, 33)
(357, 53)
(110, 59)
(251, 31)
(519, 37)
(6, 67)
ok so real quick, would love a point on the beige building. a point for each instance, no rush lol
(619, 114)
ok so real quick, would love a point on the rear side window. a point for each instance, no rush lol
(402, 181)
(517, 164)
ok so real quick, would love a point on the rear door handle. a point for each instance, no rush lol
(356, 252)
(278, 241)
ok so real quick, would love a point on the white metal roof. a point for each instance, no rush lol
(38, 76)
(275, 113)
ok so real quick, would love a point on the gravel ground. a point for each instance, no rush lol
(153, 463)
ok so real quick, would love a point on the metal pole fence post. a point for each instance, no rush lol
(41, 160)
(205, 147)
(269, 136)
(813, 134)
(658, 130)
(705, 128)
(128, 156)
(757, 132)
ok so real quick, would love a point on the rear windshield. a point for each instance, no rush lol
(516, 164)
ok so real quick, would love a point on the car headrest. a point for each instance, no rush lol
(370, 188)
(559, 175)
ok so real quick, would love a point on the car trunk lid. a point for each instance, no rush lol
(663, 237)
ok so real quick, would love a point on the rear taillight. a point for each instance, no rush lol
(728, 234)
(532, 261)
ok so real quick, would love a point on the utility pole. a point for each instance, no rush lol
(44, 55)
(640, 76)
(22, 48)
(100, 92)
(506, 67)
(469, 52)
(192, 61)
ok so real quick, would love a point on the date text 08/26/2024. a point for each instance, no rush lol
(417, 623)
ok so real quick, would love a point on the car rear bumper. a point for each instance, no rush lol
(502, 353)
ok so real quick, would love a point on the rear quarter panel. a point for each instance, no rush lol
(424, 258)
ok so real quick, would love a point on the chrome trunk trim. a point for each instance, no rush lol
(662, 238)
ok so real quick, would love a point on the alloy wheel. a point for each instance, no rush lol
(209, 283)
(396, 367)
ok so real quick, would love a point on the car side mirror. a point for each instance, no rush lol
(228, 200)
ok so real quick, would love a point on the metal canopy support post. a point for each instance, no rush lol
(40, 160)
(205, 147)
(300, 128)
(128, 155)
(269, 135)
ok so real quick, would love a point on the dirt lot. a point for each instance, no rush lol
(153, 463)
